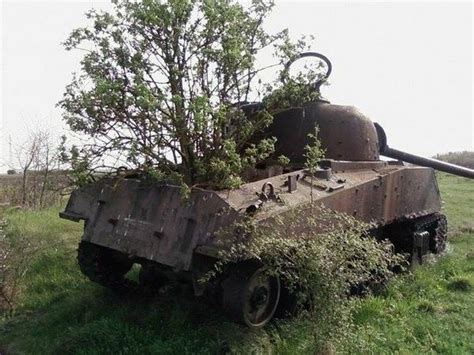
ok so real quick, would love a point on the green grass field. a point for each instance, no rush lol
(59, 311)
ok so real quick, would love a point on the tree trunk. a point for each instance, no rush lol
(43, 187)
(23, 189)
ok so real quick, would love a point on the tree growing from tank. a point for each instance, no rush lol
(160, 86)
(314, 152)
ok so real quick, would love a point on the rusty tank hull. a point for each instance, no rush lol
(131, 220)
(150, 221)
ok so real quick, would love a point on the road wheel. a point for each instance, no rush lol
(251, 294)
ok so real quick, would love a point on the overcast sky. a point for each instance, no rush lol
(407, 65)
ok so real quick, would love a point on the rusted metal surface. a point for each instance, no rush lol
(342, 166)
(379, 196)
(324, 77)
(153, 222)
(149, 221)
(346, 134)
(433, 163)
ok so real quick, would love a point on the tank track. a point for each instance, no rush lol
(105, 267)
(436, 224)
(408, 236)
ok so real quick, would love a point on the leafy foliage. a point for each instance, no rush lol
(159, 84)
(314, 152)
(294, 93)
(320, 255)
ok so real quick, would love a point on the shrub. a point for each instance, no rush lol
(320, 256)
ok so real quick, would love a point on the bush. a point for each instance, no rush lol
(320, 256)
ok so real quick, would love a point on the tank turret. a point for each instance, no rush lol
(345, 133)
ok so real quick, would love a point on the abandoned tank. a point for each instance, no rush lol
(128, 220)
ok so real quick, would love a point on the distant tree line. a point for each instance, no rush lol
(37, 179)
(464, 158)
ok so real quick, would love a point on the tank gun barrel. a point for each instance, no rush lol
(417, 160)
(432, 163)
